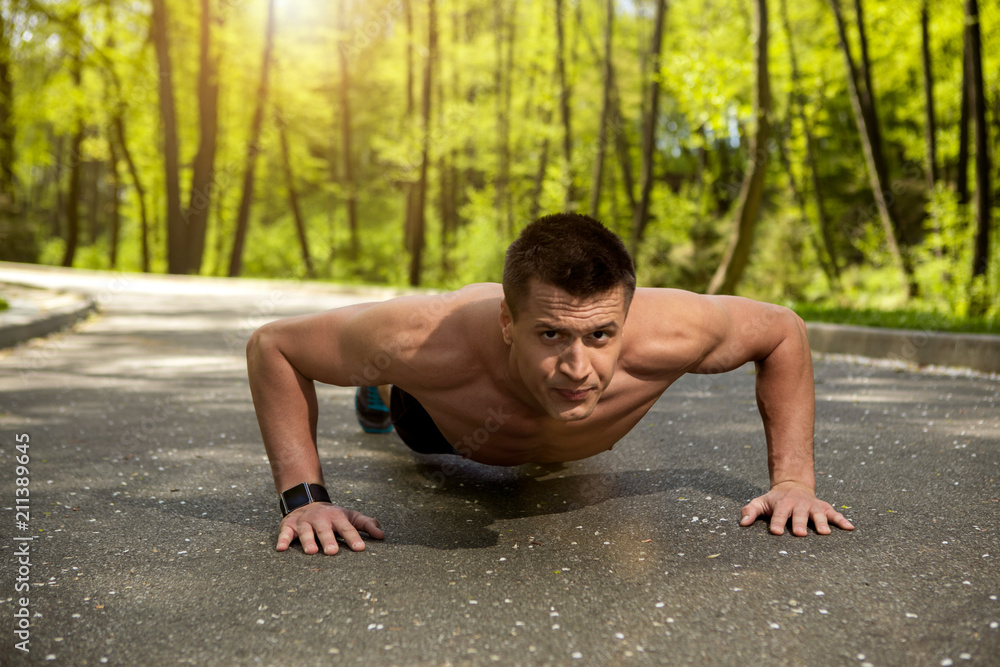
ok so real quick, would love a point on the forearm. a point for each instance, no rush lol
(286, 406)
(787, 402)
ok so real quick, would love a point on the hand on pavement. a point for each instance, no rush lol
(795, 501)
(322, 522)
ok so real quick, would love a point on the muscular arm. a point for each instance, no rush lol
(283, 359)
(365, 344)
(723, 333)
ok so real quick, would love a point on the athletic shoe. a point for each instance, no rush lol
(371, 411)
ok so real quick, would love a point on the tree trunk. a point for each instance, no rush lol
(472, 174)
(55, 212)
(821, 216)
(543, 165)
(930, 127)
(862, 103)
(73, 194)
(345, 141)
(962, 176)
(220, 226)
(502, 182)
(114, 221)
(617, 121)
(443, 171)
(622, 147)
(196, 215)
(93, 173)
(867, 93)
(450, 222)
(253, 148)
(293, 195)
(508, 93)
(737, 256)
(602, 137)
(977, 102)
(416, 259)
(641, 212)
(409, 204)
(72, 202)
(564, 110)
(408, 9)
(176, 237)
(140, 192)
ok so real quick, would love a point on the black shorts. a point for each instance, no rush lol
(414, 426)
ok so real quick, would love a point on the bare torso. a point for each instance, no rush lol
(459, 376)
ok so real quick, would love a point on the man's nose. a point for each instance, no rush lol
(574, 363)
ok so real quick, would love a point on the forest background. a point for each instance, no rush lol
(828, 154)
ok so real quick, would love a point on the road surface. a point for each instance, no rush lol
(154, 517)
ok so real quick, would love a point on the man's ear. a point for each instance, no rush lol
(506, 322)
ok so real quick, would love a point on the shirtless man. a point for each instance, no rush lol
(544, 368)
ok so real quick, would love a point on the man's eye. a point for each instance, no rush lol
(550, 335)
(601, 335)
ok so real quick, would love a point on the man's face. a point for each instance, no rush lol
(565, 348)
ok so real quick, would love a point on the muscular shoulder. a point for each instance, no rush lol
(427, 340)
(676, 332)
(669, 331)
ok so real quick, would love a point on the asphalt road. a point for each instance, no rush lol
(153, 516)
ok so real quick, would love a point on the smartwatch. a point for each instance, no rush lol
(302, 494)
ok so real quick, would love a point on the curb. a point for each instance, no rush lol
(980, 352)
(41, 314)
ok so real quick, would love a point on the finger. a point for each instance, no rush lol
(349, 534)
(306, 539)
(285, 536)
(778, 520)
(820, 522)
(369, 525)
(750, 513)
(328, 539)
(800, 521)
(840, 520)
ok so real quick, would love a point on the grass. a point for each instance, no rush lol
(896, 319)
(3, 304)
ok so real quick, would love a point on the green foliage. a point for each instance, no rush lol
(478, 255)
(897, 318)
(944, 260)
(706, 74)
(52, 251)
(18, 241)
(672, 253)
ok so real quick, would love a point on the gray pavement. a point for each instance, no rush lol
(154, 516)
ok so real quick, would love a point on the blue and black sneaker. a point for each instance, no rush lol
(371, 411)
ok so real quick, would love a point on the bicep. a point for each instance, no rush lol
(313, 344)
(741, 330)
(361, 345)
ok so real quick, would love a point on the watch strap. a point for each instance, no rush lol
(301, 495)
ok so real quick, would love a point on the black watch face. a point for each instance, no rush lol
(295, 497)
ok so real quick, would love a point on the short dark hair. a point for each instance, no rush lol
(571, 251)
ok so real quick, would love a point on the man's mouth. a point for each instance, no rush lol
(573, 395)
